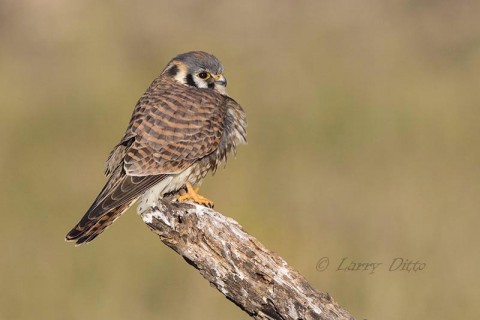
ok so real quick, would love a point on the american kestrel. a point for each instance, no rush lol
(183, 126)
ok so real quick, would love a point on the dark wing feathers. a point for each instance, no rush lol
(110, 204)
(127, 189)
(172, 126)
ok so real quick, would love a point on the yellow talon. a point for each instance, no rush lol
(192, 195)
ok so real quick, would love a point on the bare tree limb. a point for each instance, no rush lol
(238, 265)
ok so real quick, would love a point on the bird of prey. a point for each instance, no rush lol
(183, 126)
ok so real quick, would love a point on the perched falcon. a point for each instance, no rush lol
(182, 127)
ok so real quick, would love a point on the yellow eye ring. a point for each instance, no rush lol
(204, 75)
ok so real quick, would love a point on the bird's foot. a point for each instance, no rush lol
(192, 195)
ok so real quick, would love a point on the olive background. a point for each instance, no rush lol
(363, 144)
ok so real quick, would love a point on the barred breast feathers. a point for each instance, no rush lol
(234, 132)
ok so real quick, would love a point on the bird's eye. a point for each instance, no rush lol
(203, 75)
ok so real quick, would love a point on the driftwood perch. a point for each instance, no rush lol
(238, 265)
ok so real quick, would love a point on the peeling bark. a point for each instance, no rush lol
(257, 280)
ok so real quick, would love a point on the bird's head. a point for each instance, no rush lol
(197, 69)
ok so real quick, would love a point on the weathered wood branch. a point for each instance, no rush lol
(238, 265)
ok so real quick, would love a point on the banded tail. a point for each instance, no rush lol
(116, 197)
(85, 233)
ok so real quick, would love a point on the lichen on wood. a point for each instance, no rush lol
(257, 280)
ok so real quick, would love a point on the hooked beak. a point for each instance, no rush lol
(220, 79)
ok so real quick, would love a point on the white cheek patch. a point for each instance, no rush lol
(181, 76)
(200, 83)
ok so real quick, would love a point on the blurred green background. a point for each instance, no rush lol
(363, 143)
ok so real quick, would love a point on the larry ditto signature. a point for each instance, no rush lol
(395, 265)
